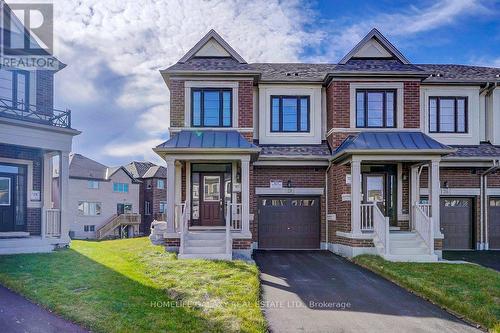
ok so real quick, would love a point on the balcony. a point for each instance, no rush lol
(35, 114)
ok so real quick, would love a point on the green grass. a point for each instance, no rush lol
(469, 290)
(130, 285)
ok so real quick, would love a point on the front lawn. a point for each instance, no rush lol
(132, 286)
(469, 290)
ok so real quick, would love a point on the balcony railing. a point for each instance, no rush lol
(32, 113)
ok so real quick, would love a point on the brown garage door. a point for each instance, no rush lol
(494, 224)
(289, 222)
(456, 223)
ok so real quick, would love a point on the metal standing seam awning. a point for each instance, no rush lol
(206, 142)
(390, 143)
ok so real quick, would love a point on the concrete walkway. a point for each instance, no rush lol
(17, 314)
(317, 291)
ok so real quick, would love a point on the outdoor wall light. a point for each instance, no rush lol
(289, 183)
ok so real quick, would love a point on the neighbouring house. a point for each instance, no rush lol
(34, 137)
(104, 201)
(153, 192)
(373, 154)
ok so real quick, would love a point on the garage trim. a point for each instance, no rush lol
(290, 191)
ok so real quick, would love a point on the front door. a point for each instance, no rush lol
(211, 199)
(7, 202)
(380, 188)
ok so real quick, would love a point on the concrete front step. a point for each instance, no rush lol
(26, 249)
(408, 251)
(406, 244)
(205, 235)
(411, 258)
(205, 249)
(205, 242)
(213, 256)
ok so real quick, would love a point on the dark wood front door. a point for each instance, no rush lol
(456, 223)
(211, 199)
(289, 222)
(7, 202)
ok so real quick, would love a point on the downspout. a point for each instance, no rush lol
(484, 204)
(326, 204)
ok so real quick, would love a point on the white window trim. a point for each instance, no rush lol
(210, 84)
(29, 171)
(147, 207)
(377, 85)
(82, 214)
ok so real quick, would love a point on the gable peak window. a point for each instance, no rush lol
(290, 114)
(211, 107)
(376, 108)
(448, 115)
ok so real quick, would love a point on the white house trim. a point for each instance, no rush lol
(29, 171)
(290, 191)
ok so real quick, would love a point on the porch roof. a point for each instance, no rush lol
(393, 142)
(207, 141)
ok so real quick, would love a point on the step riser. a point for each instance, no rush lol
(205, 236)
(200, 250)
(206, 256)
(204, 242)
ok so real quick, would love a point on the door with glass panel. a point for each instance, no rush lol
(211, 199)
(7, 202)
(380, 188)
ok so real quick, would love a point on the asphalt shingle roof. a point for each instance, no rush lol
(211, 64)
(208, 139)
(460, 73)
(84, 167)
(156, 171)
(376, 65)
(482, 150)
(321, 150)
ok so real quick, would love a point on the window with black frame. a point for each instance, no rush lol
(448, 115)
(376, 108)
(211, 107)
(290, 114)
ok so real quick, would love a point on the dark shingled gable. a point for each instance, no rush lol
(321, 150)
(460, 73)
(376, 65)
(482, 150)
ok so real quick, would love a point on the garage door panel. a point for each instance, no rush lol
(289, 222)
(456, 223)
(494, 223)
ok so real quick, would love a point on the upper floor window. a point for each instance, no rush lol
(211, 107)
(14, 87)
(290, 114)
(163, 207)
(93, 184)
(160, 184)
(376, 108)
(448, 115)
(120, 187)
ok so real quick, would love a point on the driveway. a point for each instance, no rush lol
(17, 314)
(489, 259)
(317, 291)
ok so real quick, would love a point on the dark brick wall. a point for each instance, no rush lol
(299, 176)
(45, 91)
(33, 215)
(245, 103)
(176, 88)
(154, 195)
(342, 209)
(242, 244)
(337, 105)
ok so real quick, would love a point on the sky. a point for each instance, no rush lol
(115, 49)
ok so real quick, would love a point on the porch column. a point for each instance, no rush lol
(356, 197)
(245, 195)
(63, 188)
(434, 193)
(414, 193)
(47, 189)
(170, 194)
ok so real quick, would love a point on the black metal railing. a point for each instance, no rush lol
(35, 114)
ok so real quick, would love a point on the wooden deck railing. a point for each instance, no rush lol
(115, 221)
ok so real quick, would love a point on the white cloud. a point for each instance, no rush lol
(141, 149)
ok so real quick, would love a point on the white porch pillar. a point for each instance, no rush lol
(47, 189)
(414, 193)
(63, 188)
(245, 195)
(356, 197)
(434, 193)
(170, 194)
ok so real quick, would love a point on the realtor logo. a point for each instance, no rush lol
(27, 35)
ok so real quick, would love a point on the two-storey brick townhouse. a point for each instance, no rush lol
(35, 139)
(152, 192)
(373, 154)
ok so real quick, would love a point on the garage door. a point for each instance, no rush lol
(289, 222)
(494, 224)
(456, 223)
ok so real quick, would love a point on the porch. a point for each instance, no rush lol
(208, 195)
(385, 207)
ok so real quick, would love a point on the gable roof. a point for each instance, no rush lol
(82, 167)
(212, 35)
(384, 42)
(138, 169)
(156, 171)
(390, 143)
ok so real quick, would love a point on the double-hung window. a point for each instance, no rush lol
(163, 207)
(376, 108)
(290, 114)
(160, 184)
(211, 107)
(448, 115)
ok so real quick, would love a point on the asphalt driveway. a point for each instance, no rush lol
(489, 259)
(17, 314)
(317, 291)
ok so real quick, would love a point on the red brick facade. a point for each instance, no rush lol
(411, 104)
(176, 88)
